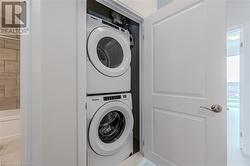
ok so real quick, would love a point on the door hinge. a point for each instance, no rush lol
(143, 147)
(86, 106)
(142, 32)
(241, 134)
(241, 44)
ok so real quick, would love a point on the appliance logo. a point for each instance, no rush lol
(14, 17)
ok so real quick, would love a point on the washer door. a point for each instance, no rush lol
(109, 51)
(110, 128)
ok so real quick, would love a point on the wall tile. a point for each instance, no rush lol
(2, 91)
(18, 96)
(7, 103)
(1, 66)
(8, 78)
(18, 78)
(18, 55)
(1, 42)
(11, 66)
(9, 73)
(12, 44)
(11, 90)
(7, 54)
(13, 36)
(8, 82)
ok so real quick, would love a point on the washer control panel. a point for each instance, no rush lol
(115, 97)
(101, 98)
(96, 101)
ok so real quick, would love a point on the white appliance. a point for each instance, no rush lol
(110, 129)
(109, 56)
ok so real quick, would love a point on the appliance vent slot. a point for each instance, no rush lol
(93, 18)
(109, 24)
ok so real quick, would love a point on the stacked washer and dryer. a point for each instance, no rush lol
(109, 103)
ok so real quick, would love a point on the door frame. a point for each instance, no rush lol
(244, 38)
(30, 90)
(82, 82)
(244, 115)
(31, 87)
(245, 51)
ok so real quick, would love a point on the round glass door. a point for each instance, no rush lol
(109, 51)
(111, 127)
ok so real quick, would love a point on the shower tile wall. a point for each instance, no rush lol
(9, 72)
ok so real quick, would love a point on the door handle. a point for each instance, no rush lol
(214, 108)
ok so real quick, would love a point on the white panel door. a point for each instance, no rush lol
(183, 69)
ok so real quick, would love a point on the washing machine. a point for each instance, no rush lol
(110, 129)
(109, 56)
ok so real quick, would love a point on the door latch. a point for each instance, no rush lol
(214, 108)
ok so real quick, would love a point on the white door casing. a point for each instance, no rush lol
(184, 67)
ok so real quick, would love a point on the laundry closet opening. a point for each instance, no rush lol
(112, 19)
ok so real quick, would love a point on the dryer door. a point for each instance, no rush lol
(109, 51)
(110, 128)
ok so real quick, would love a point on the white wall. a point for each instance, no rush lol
(144, 7)
(59, 81)
(238, 15)
(60, 87)
(162, 3)
(237, 12)
(53, 85)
